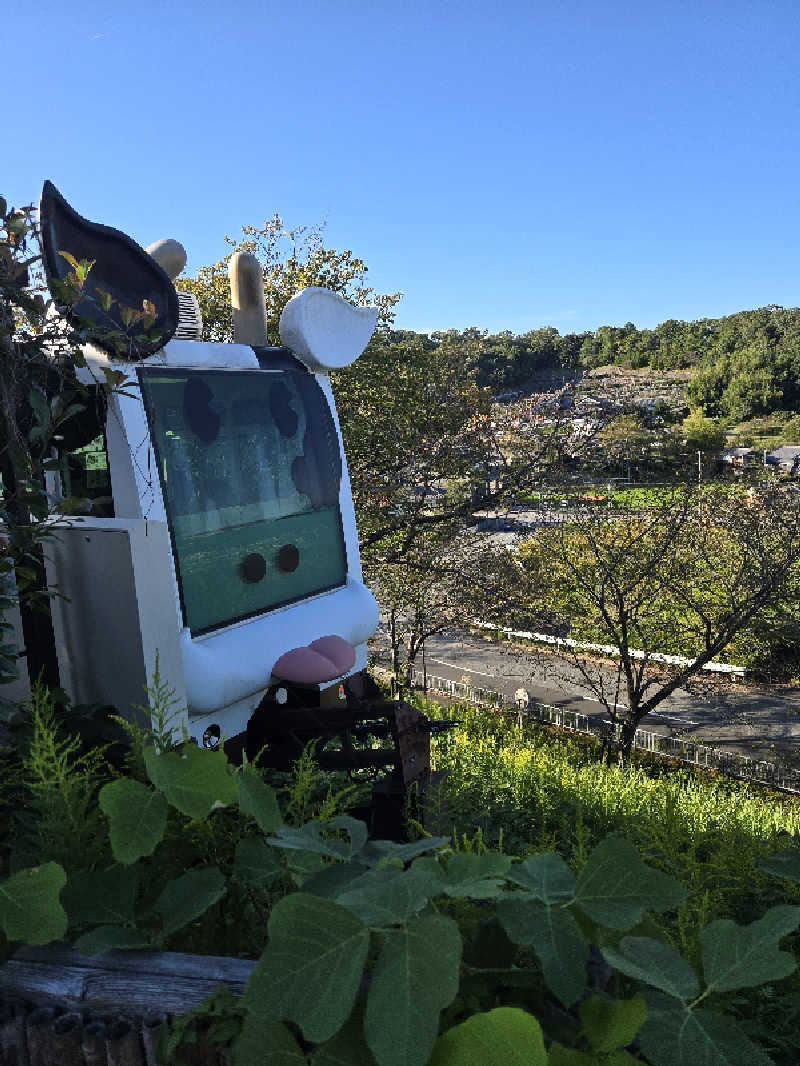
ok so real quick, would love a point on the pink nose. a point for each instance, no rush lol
(322, 660)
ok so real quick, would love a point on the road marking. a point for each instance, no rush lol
(460, 666)
(674, 718)
(593, 699)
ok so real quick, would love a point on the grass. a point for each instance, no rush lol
(533, 789)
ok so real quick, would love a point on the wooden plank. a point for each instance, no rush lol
(136, 982)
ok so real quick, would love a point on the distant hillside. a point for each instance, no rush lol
(741, 366)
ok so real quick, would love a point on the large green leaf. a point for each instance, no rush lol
(674, 1036)
(615, 887)
(387, 896)
(381, 851)
(547, 877)
(259, 800)
(356, 830)
(310, 838)
(101, 897)
(784, 864)
(347, 1048)
(267, 1044)
(195, 780)
(741, 956)
(609, 1024)
(137, 817)
(186, 897)
(30, 909)
(255, 863)
(567, 1056)
(310, 970)
(416, 975)
(555, 937)
(110, 938)
(334, 879)
(471, 876)
(656, 964)
(505, 1036)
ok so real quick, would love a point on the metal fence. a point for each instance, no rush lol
(731, 763)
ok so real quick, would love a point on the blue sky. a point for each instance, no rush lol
(506, 166)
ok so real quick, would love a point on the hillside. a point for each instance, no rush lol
(737, 368)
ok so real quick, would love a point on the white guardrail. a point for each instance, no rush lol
(730, 763)
(609, 649)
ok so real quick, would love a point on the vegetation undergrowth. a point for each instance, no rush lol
(536, 788)
(538, 934)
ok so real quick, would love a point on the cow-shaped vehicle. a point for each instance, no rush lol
(230, 548)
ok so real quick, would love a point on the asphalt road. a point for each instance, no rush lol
(730, 715)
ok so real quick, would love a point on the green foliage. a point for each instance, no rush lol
(415, 976)
(194, 780)
(59, 817)
(609, 1024)
(378, 958)
(735, 957)
(137, 817)
(674, 1035)
(697, 575)
(615, 887)
(312, 966)
(44, 408)
(101, 897)
(539, 790)
(259, 801)
(161, 713)
(702, 433)
(505, 1036)
(557, 940)
(292, 260)
(30, 909)
(255, 864)
(657, 964)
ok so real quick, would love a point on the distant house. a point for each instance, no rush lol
(786, 458)
(432, 493)
(739, 458)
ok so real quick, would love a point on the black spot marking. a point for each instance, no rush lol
(197, 413)
(287, 558)
(253, 568)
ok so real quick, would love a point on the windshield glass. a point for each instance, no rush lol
(250, 470)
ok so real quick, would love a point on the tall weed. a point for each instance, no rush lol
(56, 811)
(544, 790)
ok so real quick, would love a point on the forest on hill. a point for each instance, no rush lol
(742, 366)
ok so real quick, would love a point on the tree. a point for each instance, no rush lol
(685, 578)
(445, 578)
(623, 444)
(702, 433)
(43, 409)
(413, 419)
(292, 260)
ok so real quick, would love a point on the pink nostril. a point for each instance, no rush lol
(323, 660)
(339, 651)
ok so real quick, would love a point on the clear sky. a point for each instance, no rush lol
(509, 165)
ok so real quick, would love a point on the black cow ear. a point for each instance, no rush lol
(123, 278)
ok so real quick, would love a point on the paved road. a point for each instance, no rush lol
(731, 716)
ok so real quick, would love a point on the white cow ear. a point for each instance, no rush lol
(324, 330)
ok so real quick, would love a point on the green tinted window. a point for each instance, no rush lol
(250, 470)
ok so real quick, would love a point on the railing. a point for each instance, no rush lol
(730, 763)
